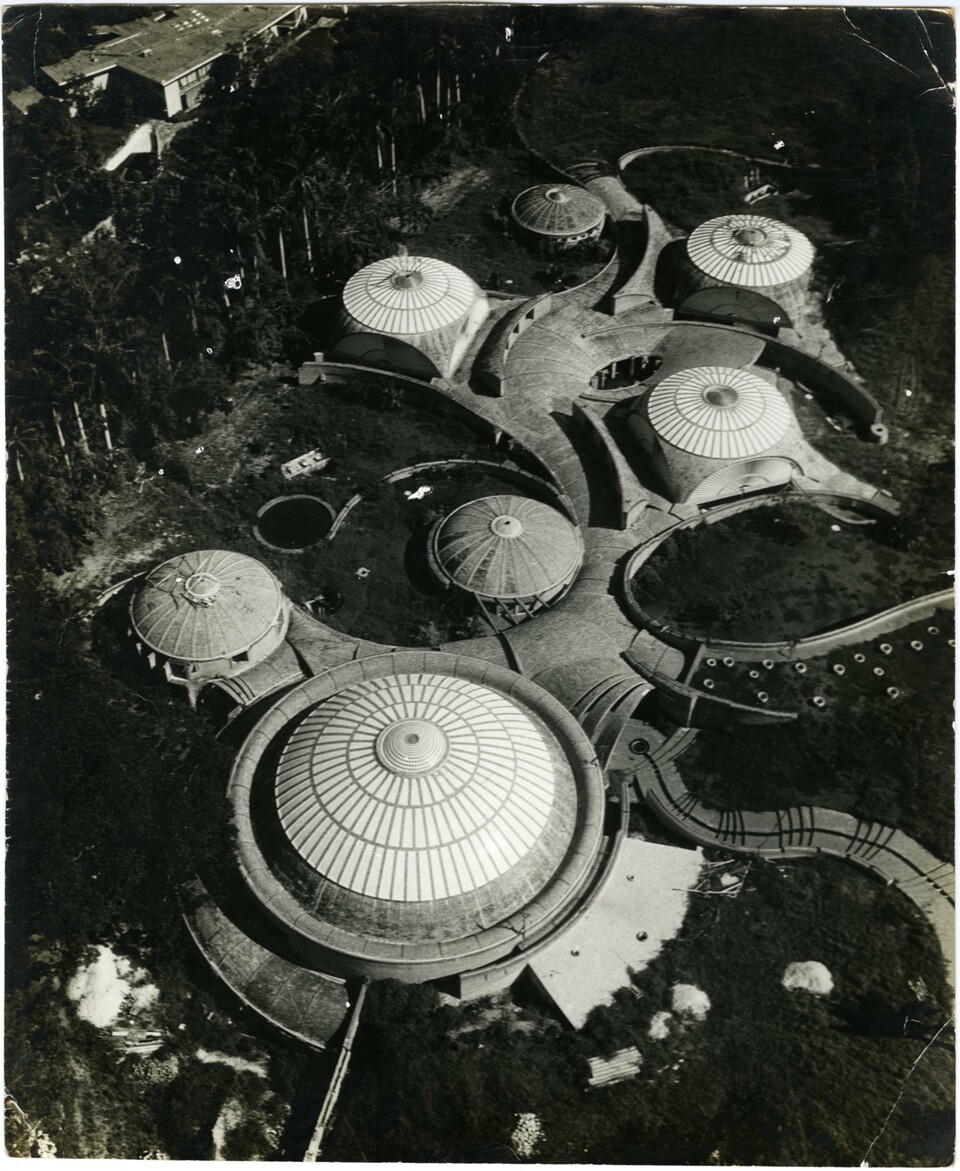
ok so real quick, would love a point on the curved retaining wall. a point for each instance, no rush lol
(808, 647)
(631, 498)
(691, 708)
(306, 1005)
(494, 977)
(864, 629)
(625, 160)
(805, 831)
(802, 367)
(433, 396)
(354, 953)
(491, 360)
(525, 478)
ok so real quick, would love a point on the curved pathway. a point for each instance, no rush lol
(801, 832)
(625, 160)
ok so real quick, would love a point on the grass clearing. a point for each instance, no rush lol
(779, 572)
(882, 758)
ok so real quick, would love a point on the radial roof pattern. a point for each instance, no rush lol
(208, 604)
(718, 412)
(507, 547)
(750, 250)
(415, 787)
(408, 295)
(558, 210)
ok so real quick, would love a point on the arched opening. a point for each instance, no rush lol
(626, 371)
(386, 353)
(735, 306)
(743, 479)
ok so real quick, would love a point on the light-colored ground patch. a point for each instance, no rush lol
(808, 976)
(689, 1000)
(446, 193)
(210, 1057)
(230, 1116)
(660, 1026)
(526, 1135)
(642, 904)
(109, 985)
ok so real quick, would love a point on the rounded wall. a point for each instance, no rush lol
(752, 475)
(360, 949)
(479, 312)
(225, 668)
(789, 298)
(387, 353)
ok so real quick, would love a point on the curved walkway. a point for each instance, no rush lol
(804, 831)
(625, 160)
(301, 1002)
(580, 650)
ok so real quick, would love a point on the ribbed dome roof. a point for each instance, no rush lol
(414, 787)
(718, 412)
(208, 604)
(558, 209)
(507, 547)
(750, 250)
(408, 295)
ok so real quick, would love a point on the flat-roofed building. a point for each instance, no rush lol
(163, 60)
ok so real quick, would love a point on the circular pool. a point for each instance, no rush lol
(293, 523)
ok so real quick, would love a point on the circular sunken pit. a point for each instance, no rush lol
(293, 523)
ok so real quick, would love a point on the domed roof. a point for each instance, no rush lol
(416, 787)
(558, 209)
(507, 547)
(750, 250)
(408, 295)
(208, 604)
(718, 412)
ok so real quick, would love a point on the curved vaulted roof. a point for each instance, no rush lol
(408, 295)
(416, 787)
(750, 250)
(204, 605)
(718, 412)
(558, 209)
(507, 547)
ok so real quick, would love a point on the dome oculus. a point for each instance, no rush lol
(718, 412)
(750, 250)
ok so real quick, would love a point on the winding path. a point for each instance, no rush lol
(625, 160)
(801, 832)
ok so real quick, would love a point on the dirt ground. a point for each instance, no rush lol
(233, 468)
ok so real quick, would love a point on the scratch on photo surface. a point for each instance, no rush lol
(903, 1090)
